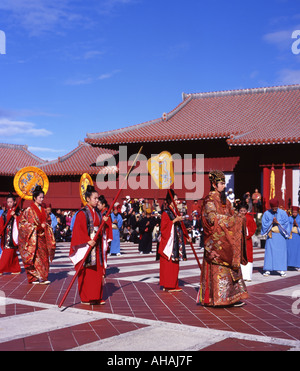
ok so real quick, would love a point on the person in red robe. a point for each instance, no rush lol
(107, 230)
(171, 247)
(36, 240)
(251, 227)
(90, 276)
(9, 262)
(221, 281)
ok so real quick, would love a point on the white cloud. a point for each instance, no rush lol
(44, 149)
(10, 128)
(91, 80)
(93, 54)
(76, 82)
(108, 75)
(38, 16)
(289, 76)
(281, 39)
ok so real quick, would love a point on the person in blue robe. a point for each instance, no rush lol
(276, 226)
(293, 243)
(117, 222)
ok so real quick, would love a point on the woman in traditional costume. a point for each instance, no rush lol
(221, 281)
(293, 243)
(107, 229)
(9, 262)
(171, 247)
(90, 276)
(36, 240)
(247, 270)
(275, 225)
(117, 222)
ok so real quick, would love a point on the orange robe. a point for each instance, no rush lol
(36, 244)
(221, 281)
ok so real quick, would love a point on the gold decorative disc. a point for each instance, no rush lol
(85, 180)
(27, 179)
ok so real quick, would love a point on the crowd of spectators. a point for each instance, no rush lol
(134, 210)
(61, 223)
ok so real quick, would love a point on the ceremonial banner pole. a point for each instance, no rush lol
(161, 170)
(97, 234)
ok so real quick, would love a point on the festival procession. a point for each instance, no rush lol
(222, 227)
(214, 251)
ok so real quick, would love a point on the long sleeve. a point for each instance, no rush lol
(266, 222)
(167, 236)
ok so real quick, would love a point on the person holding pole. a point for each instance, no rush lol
(172, 245)
(90, 276)
(87, 251)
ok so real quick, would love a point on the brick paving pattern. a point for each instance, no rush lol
(136, 308)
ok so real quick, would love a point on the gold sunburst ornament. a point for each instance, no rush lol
(85, 180)
(27, 179)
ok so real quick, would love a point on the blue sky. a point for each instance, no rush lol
(73, 67)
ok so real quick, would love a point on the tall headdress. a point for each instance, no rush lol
(216, 176)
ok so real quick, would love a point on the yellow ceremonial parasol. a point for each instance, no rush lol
(27, 179)
(161, 170)
(85, 180)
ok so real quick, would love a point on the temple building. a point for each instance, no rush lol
(245, 133)
(249, 134)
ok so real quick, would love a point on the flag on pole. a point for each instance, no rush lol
(272, 184)
(283, 187)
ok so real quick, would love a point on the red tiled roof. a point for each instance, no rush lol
(83, 159)
(244, 117)
(14, 157)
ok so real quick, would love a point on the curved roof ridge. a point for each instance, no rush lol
(238, 115)
(67, 155)
(222, 93)
(165, 116)
(121, 130)
(14, 146)
(22, 147)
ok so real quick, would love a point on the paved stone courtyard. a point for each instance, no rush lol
(139, 316)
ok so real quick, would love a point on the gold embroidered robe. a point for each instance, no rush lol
(221, 281)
